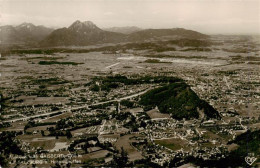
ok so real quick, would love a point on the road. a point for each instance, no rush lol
(79, 107)
(113, 65)
(225, 79)
(240, 121)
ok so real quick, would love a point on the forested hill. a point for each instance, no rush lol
(178, 100)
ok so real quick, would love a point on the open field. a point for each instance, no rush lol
(58, 117)
(95, 155)
(125, 142)
(173, 144)
(154, 114)
(39, 128)
(88, 130)
(32, 100)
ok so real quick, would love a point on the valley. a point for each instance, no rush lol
(157, 100)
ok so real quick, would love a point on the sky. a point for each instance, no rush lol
(206, 16)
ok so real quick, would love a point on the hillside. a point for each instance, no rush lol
(178, 100)
(123, 30)
(156, 33)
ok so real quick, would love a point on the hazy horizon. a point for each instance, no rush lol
(206, 16)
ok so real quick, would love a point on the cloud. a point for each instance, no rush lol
(130, 12)
(109, 13)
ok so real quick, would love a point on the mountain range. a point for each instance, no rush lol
(86, 33)
(23, 33)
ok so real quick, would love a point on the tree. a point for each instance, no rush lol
(68, 134)
(143, 124)
(42, 132)
(121, 159)
(68, 165)
(3, 161)
(57, 165)
(174, 162)
(95, 88)
(8, 146)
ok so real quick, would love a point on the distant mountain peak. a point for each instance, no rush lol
(76, 22)
(27, 25)
(83, 26)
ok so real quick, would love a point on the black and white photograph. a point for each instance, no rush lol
(130, 83)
